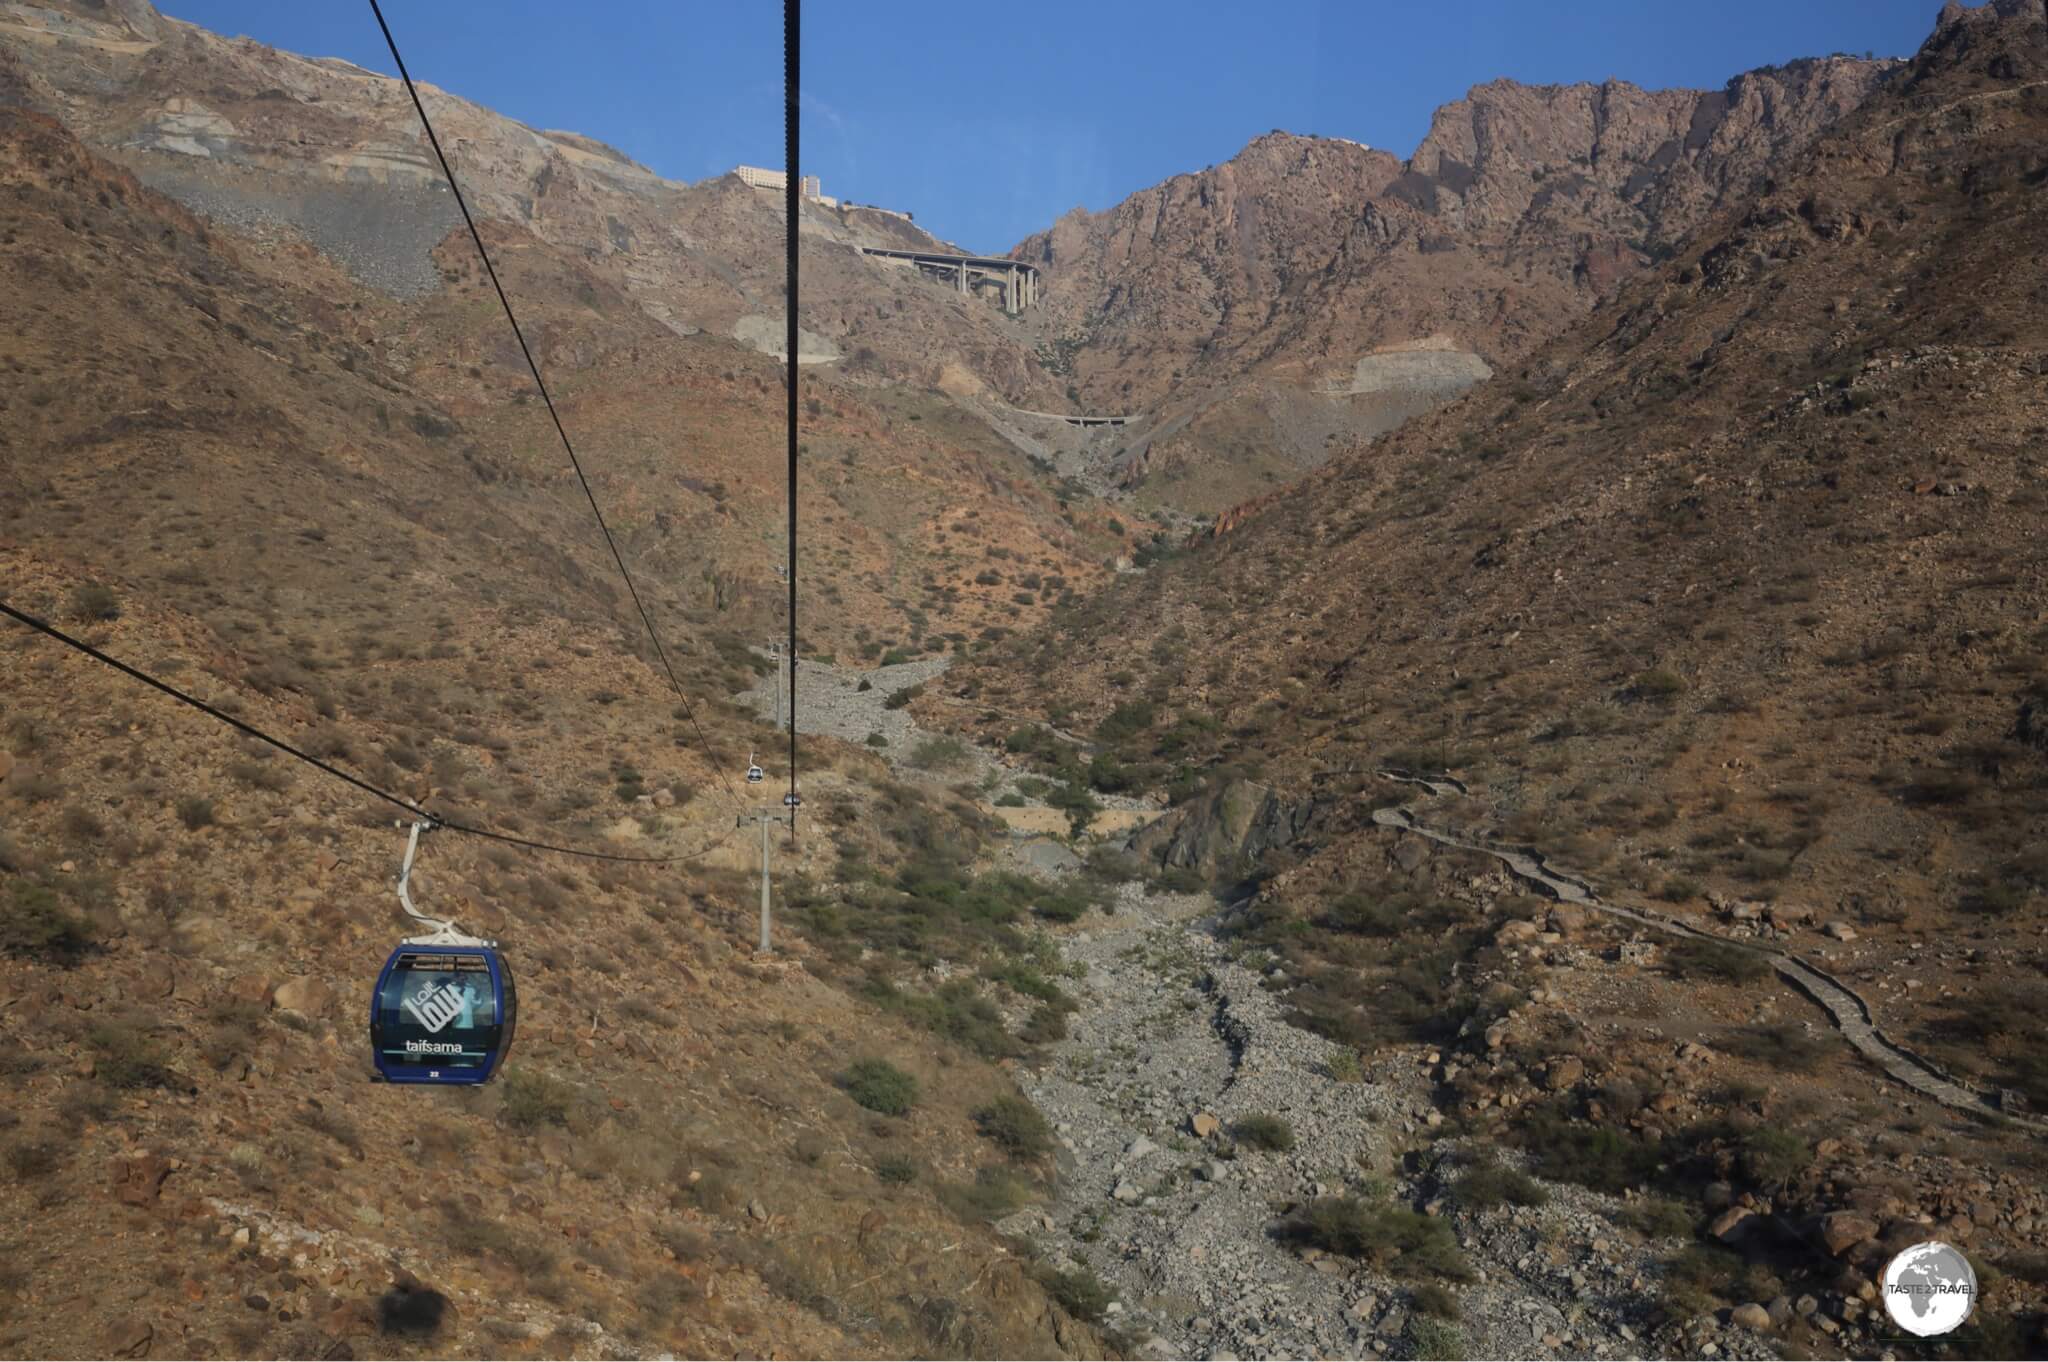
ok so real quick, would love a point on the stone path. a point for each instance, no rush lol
(1850, 1013)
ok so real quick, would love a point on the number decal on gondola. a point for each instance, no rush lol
(436, 1009)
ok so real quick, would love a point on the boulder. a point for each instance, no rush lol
(1731, 1225)
(1563, 1072)
(1204, 1125)
(306, 995)
(253, 989)
(1128, 1192)
(1515, 932)
(1839, 930)
(1139, 1148)
(139, 1179)
(1841, 1231)
(1750, 1316)
(130, 1338)
(1566, 918)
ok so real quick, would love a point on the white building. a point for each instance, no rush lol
(777, 179)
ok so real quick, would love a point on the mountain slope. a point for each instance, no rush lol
(338, 516)
(273, 142)
(1735, 594)
(1297, 263)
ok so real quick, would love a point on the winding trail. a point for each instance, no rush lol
(1851, 1014)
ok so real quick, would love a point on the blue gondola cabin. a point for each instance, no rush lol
(443, 1014)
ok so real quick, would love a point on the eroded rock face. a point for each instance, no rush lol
(1520, 208)
(1235, 823)
(333, 151)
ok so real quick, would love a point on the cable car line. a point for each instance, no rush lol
(418, 813)
(792, 51)
(548, 401)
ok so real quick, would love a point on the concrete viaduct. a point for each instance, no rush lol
(1076, 420)
(968, 273)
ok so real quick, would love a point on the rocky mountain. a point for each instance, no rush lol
(1628, 768)
(1286, 290)
(266, 140)
(628, 285)
(324, 499)
(1730, 602)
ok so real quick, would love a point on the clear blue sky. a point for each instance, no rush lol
(990, 124)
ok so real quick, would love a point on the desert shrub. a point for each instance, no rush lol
(1997, 898)
(1940, 788)
(79, 824)
(1495, 1184)
(1437, 1340)
(478, 1236)
(662, 1296)
(1079, 1291)
(1009, 799)
(1656, 1217)
(1393, 1239)
(1366, 914)
(899, 698)
(994, 1193)
(531, 1100)
(935, 754)
(688, 1245)
(880, 1086)
(956, 1012)
(1599, 1157)
(1679, 889)
(95, 601)
(335, 1127)
(195, 812)
(1782, 1045)
(1345, 1066)
(35, 787)
(876, 740)
(126, 1058)
(260, 775)
(713, 1191)
(1692, 958)
(1109, 774)
(1435, 1301)
(1772, 1156)
(1074, 801)
(896, 1170)
(31, 1159)
(1126, 721)
(1015, 1126)
(34, 923)
(1660, 684)
(1046, 1024)
(1696, 1280)
(1264, 1131)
